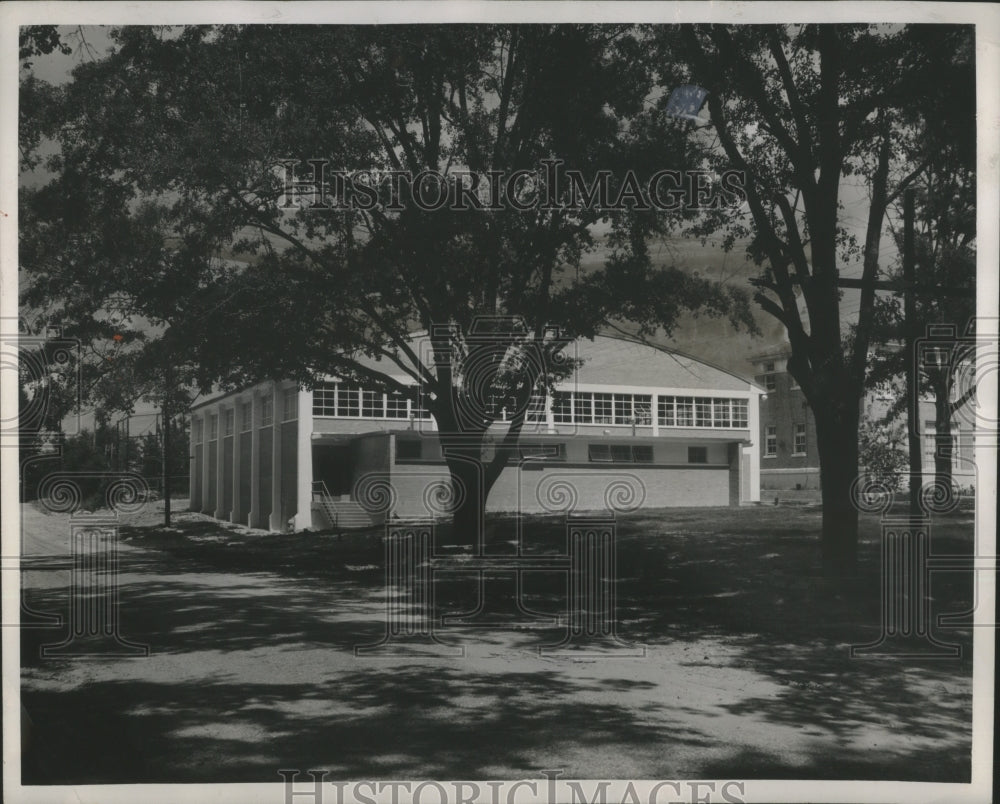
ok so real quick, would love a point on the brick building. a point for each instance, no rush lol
(788, 455)
(789, 459)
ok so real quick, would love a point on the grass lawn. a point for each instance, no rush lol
(747, 672)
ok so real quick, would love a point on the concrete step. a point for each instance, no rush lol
(346, 514)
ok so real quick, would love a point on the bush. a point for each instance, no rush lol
(881, 456)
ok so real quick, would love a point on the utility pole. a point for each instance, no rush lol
(912, 387)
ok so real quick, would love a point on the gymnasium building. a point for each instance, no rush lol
(633, 426)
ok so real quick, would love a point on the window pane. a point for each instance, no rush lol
(348, 401)
(739, 413)
(372, 404)
(685, 411)
(562, 410)
(721, 412)
(324, 403)
(642, 453)
(536, 409)
(697, 454)
(230, 419)
(665, 411)
(623, 408)
(703, 412)
(246, 417)
(599, 452)
(642, 409)
(603, 409)
(291, 405)
(408, 449)
(583, 408)
(800, 438)
(552, 452)
(395, 406)
(621, 453)
(771, 440)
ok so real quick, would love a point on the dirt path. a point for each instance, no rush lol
(252, 669)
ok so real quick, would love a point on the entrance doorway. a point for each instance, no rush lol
(333, 465)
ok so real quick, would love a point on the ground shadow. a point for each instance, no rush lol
(217, 607)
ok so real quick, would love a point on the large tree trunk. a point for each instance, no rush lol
(942, 437)
(463, 456)
(837, 440)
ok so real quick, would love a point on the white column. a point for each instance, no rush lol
(192, 463)
(204, 462)
(304, 462)
(220, 462)
(550, 424)
(753, 422)
(276, 522)
(235, 514)
(254, 513)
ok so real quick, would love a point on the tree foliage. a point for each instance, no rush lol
(881, 453)
(167, 206)
(806, 110)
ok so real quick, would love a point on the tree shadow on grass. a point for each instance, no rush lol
(412, 722)
(750, 587)
(764, 595)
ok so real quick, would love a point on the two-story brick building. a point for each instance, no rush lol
(788, 453)
(677, 431)
(789, 458)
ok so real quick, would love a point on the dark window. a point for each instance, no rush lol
(697, 454)
(409, 449)
(621, 453)
(551, 452)
(643, 453)
(599, 452)
(562, 408)
(771, 440)
(395, 406)
(800, 439)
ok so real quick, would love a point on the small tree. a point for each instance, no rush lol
(881, 453)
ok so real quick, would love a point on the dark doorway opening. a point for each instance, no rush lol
(333, 465)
